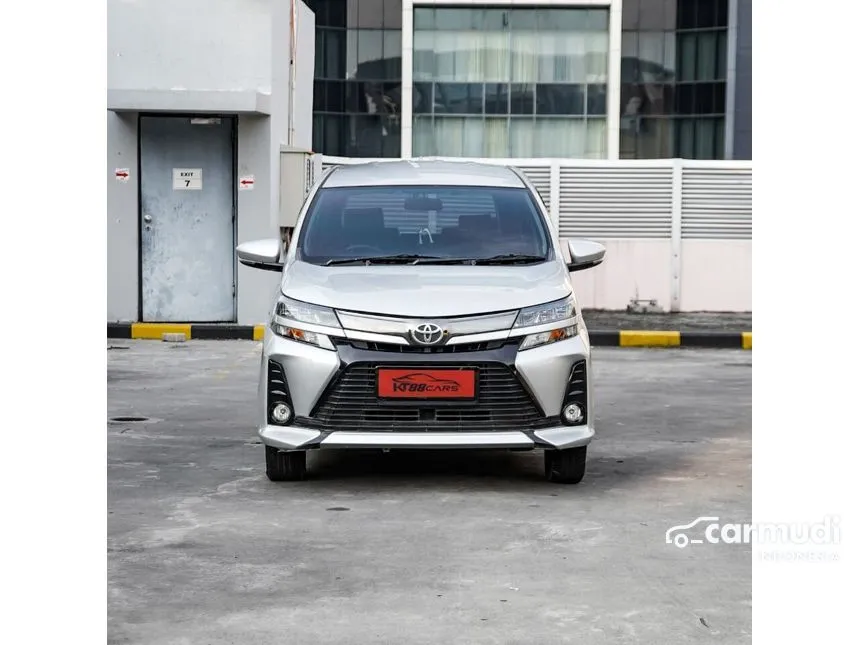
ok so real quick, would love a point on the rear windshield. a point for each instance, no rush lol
(423, 221)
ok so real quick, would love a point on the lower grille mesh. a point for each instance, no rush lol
(502, 405)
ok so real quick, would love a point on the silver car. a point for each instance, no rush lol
(425, 304)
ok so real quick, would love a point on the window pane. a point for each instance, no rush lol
(596, 100)
(422, 98)
(496, 138)
(720, 142)
(392, 14)
(706, 13)
(369, 54)
(703, 102)
(686, 14)
(522, 137)
(336, 13)
(560, 99)
(654, 139)
(629, 57)
(319, 96)
(597, 57)
(522, 19)
(496, 101)
(458, 98)
(522, 99)
(424, 18)
(720, 98)
(630, 15)
(392, 52)
(423, 141)
(705, 139)
(335, 52)
(370, 14)
(685, 98)
(597, 19)
(453, 19)
(687, 57)
(721, 55)
(473, 137)
(564, 138)
(706, 57)
(523, 58)
(669, 55)
(595, 139)
(651, 15)
(335, 100)
(685, 138)
(318, 134)
(651, 45)
(424, 56)
(722, 19)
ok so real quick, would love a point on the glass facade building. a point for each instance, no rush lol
(518, 79)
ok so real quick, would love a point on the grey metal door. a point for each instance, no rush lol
(186, 224)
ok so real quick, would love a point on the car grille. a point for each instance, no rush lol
(502, 404)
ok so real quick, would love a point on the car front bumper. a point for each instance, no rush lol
(294, 438)
(313, 373)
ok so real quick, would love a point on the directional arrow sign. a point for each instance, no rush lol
(246, 182)
(121, 174)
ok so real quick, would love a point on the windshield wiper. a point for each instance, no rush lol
(510, 258)
(400, 258)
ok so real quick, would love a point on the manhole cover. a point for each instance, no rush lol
(129, 419)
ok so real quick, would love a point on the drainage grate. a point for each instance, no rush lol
(128, 419)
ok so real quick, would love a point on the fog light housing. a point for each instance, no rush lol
(281, 413)
(572, 414)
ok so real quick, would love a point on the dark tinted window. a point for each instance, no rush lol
(471, 222)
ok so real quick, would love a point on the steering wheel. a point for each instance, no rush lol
(352, 248)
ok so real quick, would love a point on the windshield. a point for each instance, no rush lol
(423, 224)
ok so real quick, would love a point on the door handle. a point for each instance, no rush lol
(147, 218)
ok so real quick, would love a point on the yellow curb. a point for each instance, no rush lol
(649, 338)
(153, 331)
(259, 332)
(746, 340)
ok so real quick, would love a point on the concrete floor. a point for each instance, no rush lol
(434, 547)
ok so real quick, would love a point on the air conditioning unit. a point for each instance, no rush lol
(300, 170)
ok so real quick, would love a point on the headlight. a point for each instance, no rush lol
(547, 337)
(556, 311)
(289, 311)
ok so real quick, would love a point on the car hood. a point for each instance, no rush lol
(426, 291)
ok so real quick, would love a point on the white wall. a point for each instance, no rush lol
(122, 222)
(189, 44)
(634, 269)
(716, 275)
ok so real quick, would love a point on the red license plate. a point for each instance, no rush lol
(425, 384)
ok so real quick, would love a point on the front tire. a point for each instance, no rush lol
(565, 466)
(285, 466)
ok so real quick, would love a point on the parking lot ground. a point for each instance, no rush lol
(435, 547)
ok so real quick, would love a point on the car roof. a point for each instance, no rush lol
(418, 172)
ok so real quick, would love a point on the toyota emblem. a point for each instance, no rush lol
(427, 334)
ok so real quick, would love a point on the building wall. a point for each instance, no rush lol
(198, 56)
(682, 106)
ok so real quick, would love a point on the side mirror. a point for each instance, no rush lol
(261, 254)
(583, 254)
